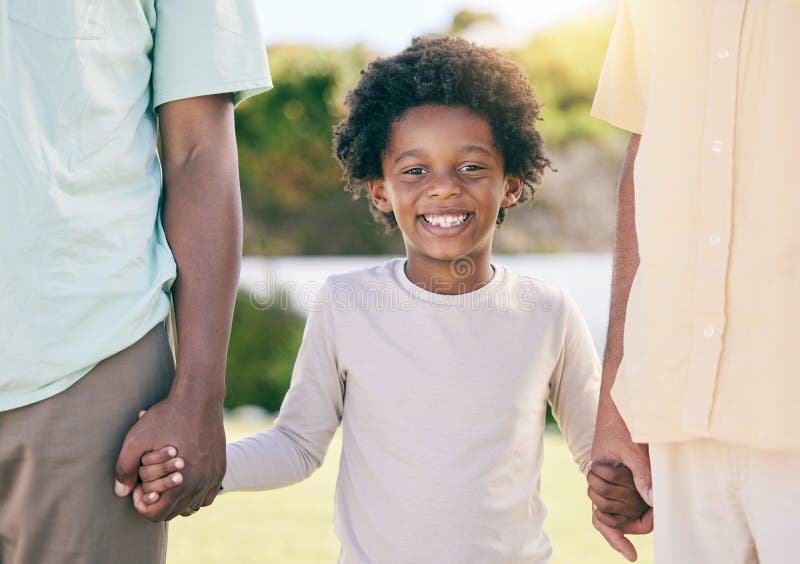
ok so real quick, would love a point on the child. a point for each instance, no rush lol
(438, 366)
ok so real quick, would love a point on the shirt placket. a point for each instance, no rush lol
(715, 213)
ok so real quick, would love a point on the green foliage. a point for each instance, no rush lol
(293, 198)
(284, 144)
(466, 18)
(264, 344)
(564, 65)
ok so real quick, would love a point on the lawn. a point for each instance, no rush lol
(294, 525)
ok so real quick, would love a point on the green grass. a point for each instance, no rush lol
(294, 525)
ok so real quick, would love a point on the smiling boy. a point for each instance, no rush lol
(444, 182)
(442, 390)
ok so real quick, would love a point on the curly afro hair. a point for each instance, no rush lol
(447, 71)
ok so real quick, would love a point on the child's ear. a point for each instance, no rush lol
(378, 195)
(513, 190)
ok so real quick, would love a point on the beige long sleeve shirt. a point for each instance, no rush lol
(442, 405)
(713, 317)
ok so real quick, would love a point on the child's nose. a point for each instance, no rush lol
(444, 185)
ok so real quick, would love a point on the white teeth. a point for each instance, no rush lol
(446, 220)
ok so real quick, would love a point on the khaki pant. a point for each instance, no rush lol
(718, 503)
(57, 458)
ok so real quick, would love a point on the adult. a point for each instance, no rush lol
(87, 271)
(704, 315)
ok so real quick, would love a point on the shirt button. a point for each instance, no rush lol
(708, 331)
(723, 53)
(714, 239)
(716, 146)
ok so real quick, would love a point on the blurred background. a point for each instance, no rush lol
(301, 226)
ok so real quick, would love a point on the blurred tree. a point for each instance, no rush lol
(465, 18)
(261, 354)
(292, 194)
(563, 63)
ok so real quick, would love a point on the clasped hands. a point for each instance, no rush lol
(618, 508)
(163, 484)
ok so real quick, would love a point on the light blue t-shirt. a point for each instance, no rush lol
(85, 269)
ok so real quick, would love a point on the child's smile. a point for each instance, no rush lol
(446, 222)
(443, 178)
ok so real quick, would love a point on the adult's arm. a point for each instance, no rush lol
(202, 216)
(612, 441)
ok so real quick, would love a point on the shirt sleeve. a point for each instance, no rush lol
(309, 416)
(575, 386)
(619, 99)
(204, 47)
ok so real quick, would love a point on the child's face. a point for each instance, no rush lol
(443, 179)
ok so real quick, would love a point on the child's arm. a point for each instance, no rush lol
(575, 385)
(309, 416)
(297, 443)
(574, 394)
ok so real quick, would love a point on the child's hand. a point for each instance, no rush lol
(159, 472)
(614, 495)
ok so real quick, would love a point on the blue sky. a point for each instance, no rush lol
(388, 26)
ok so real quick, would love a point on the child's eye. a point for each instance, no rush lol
(416, 171)
(471, 168)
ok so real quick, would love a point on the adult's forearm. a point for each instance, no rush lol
(612, 440)
(626, 262)
(203, 223)
(202, 218)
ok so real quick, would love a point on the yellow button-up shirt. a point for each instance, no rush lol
(713, 320)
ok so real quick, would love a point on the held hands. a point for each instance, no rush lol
(159, 472)
(196, 432)
(614, 449)
(617, 507)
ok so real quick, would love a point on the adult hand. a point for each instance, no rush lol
(616, 537)
(195, 429)
(613, 445)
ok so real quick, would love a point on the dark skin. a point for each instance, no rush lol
(202, 218)
(613, 492)
(443, 161)
(612, 440)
